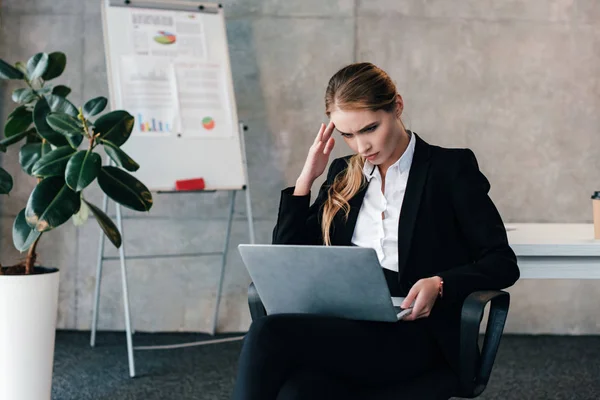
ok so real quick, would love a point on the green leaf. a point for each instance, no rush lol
(61, 90)
(67, 126)
(20, 65)
(56, 65)
(14, 138)
(18, 121)
(28, 155)
(53, 163)
(7, 71)
(37, 66)
(64, 123)
(40, 112)
(94, 106)
(51, 204)
(82, 169)
(60, 104)
(106, 224)
(115, 126)
(75, 140)
(23, 234)
(46, 148)
(82, 215)
(33, 137)
(37, 83)
(6, 182)
(23, 95)
(125, 189)
(120, 158)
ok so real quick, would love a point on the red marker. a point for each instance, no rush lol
(190, 184)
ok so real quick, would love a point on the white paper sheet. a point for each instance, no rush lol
(168, 85)
(167, 33)
(148, 93)
(200, 93)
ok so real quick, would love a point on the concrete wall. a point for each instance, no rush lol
(517, 81)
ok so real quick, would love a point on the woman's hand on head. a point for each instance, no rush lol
(318, 154)
(424, 293)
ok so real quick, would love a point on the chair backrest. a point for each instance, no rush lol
(476, 367)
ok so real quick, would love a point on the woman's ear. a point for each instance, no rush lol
(399, 105)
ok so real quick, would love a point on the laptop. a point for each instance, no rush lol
(337, 281)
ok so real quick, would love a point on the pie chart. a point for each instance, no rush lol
(165, 37)
(208, 123)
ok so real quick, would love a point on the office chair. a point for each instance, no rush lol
(440, 383)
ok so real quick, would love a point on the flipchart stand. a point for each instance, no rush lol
(123, 257)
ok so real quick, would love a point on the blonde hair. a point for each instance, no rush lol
(359, 86)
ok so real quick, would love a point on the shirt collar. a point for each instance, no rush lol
(403, 164)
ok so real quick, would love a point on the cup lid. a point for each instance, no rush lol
(596, 195)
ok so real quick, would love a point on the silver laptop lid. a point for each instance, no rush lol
(337, 281)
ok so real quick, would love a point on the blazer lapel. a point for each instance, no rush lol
(343, 229)
(412, 199)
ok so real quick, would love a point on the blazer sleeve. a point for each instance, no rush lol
(297, 221)
(494, 265)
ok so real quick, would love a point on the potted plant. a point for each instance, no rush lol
(58, 149)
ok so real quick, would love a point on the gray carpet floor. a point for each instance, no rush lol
(527, 367)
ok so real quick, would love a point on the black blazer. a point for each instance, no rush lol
(448, 227)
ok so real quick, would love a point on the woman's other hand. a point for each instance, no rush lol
(424, 293)
(317, 159)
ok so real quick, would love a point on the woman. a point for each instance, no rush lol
(426, 212)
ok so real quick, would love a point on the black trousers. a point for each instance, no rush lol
(337, 358)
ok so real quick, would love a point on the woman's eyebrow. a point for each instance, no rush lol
(362, 129)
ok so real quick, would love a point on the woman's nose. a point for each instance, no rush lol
(362, 146)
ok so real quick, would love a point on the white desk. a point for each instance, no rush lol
(555, 251)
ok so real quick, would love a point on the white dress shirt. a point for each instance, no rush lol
(373, 231)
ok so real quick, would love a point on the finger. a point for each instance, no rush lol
(410, 297)
(320, 134)
(422, 315)
(410, 317)
(423, 312)
(329, 146)
(420, 306)
(328, 131)
(416, 315)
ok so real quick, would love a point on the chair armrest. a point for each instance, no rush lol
(475, 368)
(257, 309)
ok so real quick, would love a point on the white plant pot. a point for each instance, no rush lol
(28, 309)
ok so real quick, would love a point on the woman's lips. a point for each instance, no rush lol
(372, 156)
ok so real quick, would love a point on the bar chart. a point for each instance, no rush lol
(153, 124)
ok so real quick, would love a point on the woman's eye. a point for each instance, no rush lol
(347, 135)
(372, 128)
